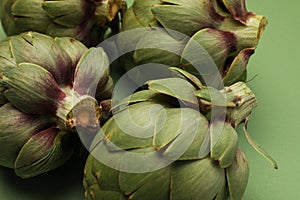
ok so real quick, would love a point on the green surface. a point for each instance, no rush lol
(274, 123)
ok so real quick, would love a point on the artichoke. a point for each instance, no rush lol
(174, 139)
(85, 20)
(48, 86)
(224, 29)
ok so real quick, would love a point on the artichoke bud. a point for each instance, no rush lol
(200, 155)
(225, 30)
(84, 20)
(48, 86)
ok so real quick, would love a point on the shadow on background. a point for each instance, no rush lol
(63, 183)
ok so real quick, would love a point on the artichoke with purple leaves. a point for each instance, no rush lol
(48, 86)
(166, 142)
(224, 28)
(84, 20)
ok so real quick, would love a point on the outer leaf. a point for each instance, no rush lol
(94, 192)
(16, 128)
(72, 47)
(198, 179)
(193, 79)
(180, 136)
(43, 152)
(176, 87)
(135, 126)
(6, 58)
(212, 96)
(89, 177)
(66, 13)
(7, 18)
(142, 11)
(136, 97)
(237, 8)
(167, 51)
(196, 15)
(40, 49)
(148, 186)
(30, 16)
(218, 44)
(224, 144)
(90, 70)
(32, 89)
(237, 176)
(238, 66)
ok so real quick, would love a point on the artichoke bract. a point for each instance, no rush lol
(85, 20)
(48, 86)
(225, 29)
(174, 139)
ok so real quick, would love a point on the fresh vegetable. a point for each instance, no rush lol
(84, 20)
(48, 86)
(176, 139)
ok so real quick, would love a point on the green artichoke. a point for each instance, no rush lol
(85, 20)
(175, 139)
(225, 29)
(47, 87)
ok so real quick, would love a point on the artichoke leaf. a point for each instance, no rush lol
(43, 152)
(190, 134)
(16, 128)
(34, 48)
(205, 45)
(89, 177)
(148, 186)
(237, 176)
(142, 11)
(182, 73)
(136, 97)
(90, 70)
(238, 67)
(66, 13)
(6, 58)
(169, 86)
(57, 30)
(195, 14)
(72, 47)
(238, 9)
(167, 51)
(198, 179)
(224, 143)
(32, 89)
(95, 192)
(134, 127)
(28, 15)
(212, 96)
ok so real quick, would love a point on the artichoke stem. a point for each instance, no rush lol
(77, 110)
(85, 114)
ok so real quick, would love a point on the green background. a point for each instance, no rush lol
(274, 123)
